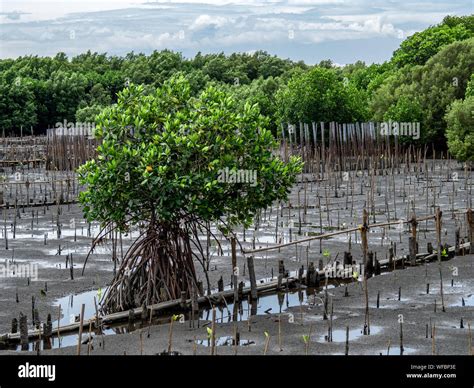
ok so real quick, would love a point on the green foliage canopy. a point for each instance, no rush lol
(320, 94)
(460, 130)
(424, 93)
(161, 156)
(421, 46)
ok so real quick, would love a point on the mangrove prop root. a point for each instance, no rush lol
(156, 268)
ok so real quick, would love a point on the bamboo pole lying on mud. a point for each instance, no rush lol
(327, 235)
(40, 204)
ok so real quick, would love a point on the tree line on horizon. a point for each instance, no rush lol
(429, 79)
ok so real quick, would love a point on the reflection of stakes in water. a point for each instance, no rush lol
(81, 326)
(236, 339)
(89, 340)
(279, 332)
(469, 339)
(59, 326)
(325, 316)
(401, 336)
(347, 341)
(249, 316)
(330, 321)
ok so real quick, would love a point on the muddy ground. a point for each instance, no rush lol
(415, 306)
(315, 206)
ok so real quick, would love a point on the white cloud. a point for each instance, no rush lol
(273, 24)
(392, 16)
(247, 38)
(203, 21)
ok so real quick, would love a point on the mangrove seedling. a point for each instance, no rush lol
(170, 338)
(209, 334)
(306, 343)
(267, 340)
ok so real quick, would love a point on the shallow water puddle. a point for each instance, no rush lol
(406, 351)
(70, 311)
(225, 341)
(79, 249)
(465, 302)
(396, 351)
(71, 308)
(267, 304)
(339, 335)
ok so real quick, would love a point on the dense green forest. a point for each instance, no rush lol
(429, 79)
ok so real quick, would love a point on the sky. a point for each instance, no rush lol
(310, 30)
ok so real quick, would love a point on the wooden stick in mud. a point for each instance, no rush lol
(23, 332)
(253, 281)
(470, 225)
(234, 254)
(170, 334)
(14, 328)
(236, 288)
(363, 230)
(412, 241)
(438, 241)
(213, 333)
(81, 327)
